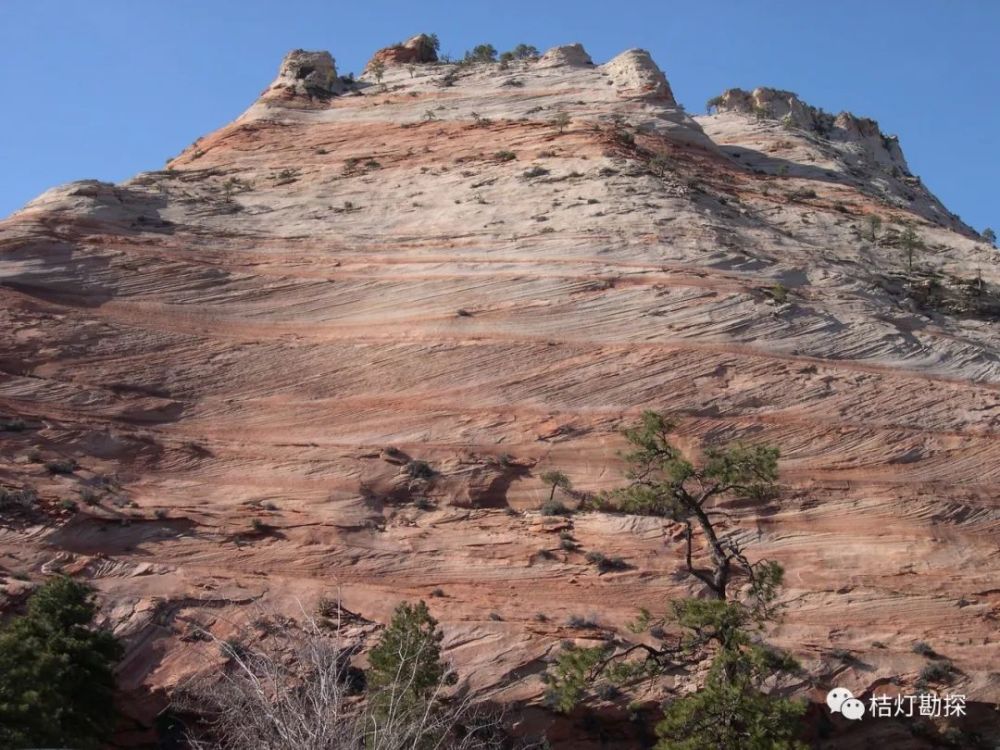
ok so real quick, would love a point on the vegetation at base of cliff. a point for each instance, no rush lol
(409, 646)
(731, 707)
(294, 688)
(56, 672)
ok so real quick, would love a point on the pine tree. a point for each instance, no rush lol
(556, 479)
(910, 241)
(481, 53)
(56, 672)
(406, 671)
(730, 709)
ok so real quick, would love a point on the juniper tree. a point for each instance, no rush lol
(989, 236)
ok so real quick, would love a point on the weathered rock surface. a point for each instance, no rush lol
(634, 73)
(358, 320)
(416, 49)
(565, 54)
(303, 73)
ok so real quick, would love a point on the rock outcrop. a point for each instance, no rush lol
(634, 73)
(567, 54)
(856, 146)
(331, 348)
(311, 74)
(415, 50)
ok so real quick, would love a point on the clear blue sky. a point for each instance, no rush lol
(108, 88)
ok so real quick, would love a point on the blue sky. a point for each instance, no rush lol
(108, 88)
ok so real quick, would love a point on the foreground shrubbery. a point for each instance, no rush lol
(56, 672)
(296, 690)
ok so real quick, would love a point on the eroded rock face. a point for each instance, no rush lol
(371, 323)
(635, 74)
(566, 54)
(416, 49)
(312, 74)
(860, 147)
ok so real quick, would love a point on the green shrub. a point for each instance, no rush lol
(58, 683)
(61, 465)
(936, 671)
(555, 508)
(260, 526)
(534, 172)
(504, 156)
(579, 622)
(233, 648)
(25, 498)
(418, 469)
(606, 564)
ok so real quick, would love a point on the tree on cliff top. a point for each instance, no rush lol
(56, 672)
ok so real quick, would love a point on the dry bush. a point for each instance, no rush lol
(295, 689)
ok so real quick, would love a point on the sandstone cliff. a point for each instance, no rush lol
(330, 347)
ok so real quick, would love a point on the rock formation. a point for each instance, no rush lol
(329, 349)
(566, 54)
(416, 49)
(634, 72)
(302, 73)
(849, 144)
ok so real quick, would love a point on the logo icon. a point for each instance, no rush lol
(842, 701)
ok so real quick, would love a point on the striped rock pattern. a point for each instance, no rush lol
(250, 352)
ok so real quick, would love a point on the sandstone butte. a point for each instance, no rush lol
(417, 265)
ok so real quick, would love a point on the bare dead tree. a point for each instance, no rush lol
(295, 689)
